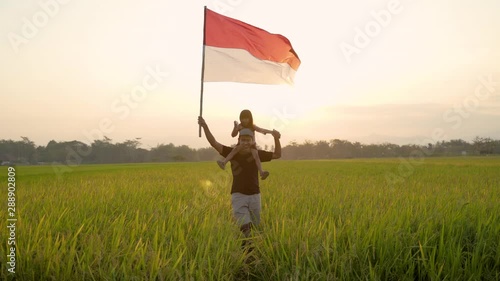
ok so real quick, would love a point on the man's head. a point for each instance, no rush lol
(246, 139)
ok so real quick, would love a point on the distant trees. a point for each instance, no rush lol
(337, 148)
(23, 151)
(103, 151)
(99, 152)
(486, 146)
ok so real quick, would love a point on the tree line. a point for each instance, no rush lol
(337, 148)
(104, 151)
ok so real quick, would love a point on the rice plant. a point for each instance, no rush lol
(322, 220)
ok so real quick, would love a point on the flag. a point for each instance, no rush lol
(238, 52)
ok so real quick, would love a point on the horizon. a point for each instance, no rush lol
(385, 71)
(422, 142)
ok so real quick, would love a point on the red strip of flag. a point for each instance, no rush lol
(239, 52)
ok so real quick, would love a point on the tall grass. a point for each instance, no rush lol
(322, 220)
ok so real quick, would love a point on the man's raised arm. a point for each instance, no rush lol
(209, 135)
(277, 144)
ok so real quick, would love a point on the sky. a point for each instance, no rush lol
(399, 71)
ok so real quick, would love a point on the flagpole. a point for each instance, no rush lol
(202, 66)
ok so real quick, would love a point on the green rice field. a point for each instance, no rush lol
(361, 219)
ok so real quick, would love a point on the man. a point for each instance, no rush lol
(245, 192)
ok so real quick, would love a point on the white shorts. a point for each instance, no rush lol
(246, 208)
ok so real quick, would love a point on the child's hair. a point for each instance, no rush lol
(247, 114)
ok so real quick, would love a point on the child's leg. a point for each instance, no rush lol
(230, 156)
(263, 174)
(256, 157)
(222, 163)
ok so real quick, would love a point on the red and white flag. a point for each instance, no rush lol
(238, 52)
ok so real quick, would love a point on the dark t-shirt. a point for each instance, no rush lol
(245, 172)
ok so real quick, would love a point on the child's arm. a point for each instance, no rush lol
(262, 130)
(236, 129)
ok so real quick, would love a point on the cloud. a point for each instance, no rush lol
(404, 123)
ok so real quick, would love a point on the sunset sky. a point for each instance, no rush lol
(372, 71)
